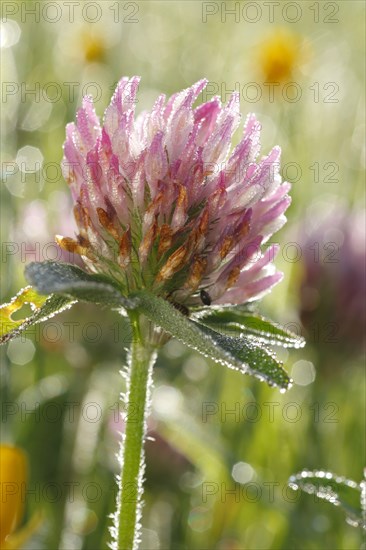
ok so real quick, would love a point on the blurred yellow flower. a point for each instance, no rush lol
(280, 55)
(13, 476)
(93, 46)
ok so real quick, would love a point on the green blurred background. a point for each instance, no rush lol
(225, 445)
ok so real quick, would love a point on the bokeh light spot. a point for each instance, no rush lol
(242, 472)
(9, 33)
(303, 373)
(21, 351)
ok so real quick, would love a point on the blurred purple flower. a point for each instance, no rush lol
(333, 305)
(161, 203)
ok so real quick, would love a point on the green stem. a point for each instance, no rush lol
(139, 382)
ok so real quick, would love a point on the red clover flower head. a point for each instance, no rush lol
(163, 203)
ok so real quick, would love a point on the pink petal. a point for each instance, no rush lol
(177, 133)
(156, 163)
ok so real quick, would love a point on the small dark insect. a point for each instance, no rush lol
(205, 297)
(180, 307)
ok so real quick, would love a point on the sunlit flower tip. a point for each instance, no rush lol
(163, 203)
(280, 55)
(13, 476)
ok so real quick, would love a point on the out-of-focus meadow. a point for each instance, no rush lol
(225, 444)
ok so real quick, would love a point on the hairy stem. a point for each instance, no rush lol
(139, 382)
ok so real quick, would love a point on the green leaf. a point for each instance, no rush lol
(236, 353)
(337, 490)
(239, 321)
(60, 278)
(42, 308)
(55, 287)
